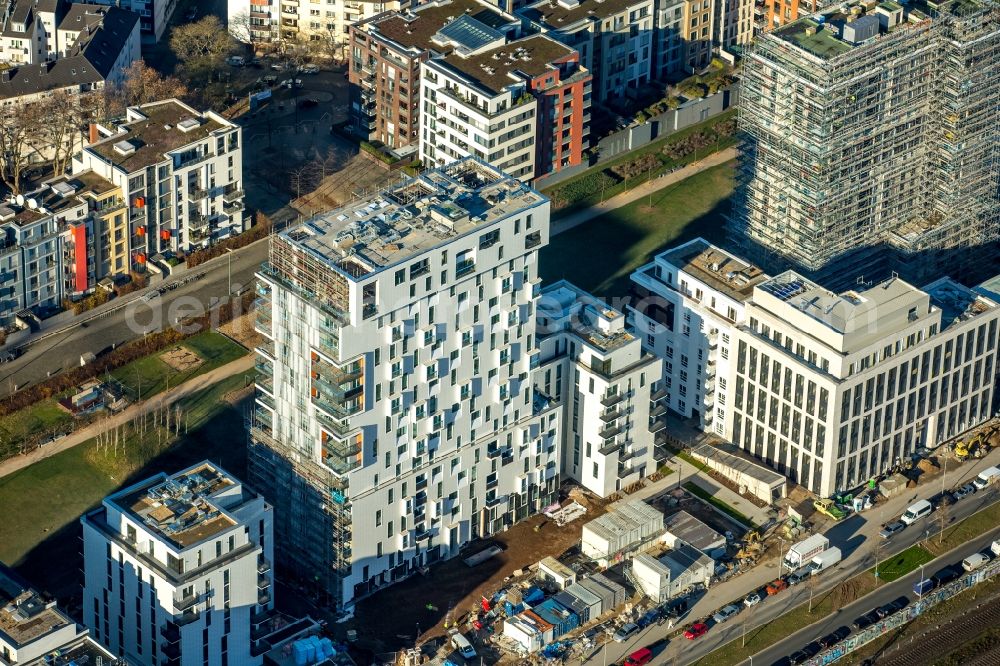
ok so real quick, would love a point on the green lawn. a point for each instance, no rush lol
(698, 491)
(970, 528)
(42, 503)
(585, 190)
(600, 255)
(897, 566)
(42, 417)
(151, 375)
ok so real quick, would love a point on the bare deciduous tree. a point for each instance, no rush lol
(239, 27)
(144, 84)
(17, 145)
(205, 40)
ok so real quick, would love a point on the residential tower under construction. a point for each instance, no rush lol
(870, 143)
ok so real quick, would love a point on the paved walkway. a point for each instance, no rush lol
(193, 385)
(585, 215)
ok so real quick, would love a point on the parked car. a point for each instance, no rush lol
(726, 613)
(810, 651)
(866, 620)
(648, 618)
(696, 630)
(308, 103)
(639, 657)
(946, 574)
(890, 529)
(310, 69)
(673, 609)
(236, 61)
(776, 586)
(797, 576)
(798, 657)
(151, 296)
(974, 561)
(752, 599)
(834, 637)
(892, 607)
(625, 632)
(962, 492)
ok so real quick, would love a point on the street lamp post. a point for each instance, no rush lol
(229, 253)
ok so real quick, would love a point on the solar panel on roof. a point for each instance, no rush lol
(470, 33)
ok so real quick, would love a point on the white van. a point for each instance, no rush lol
(462, 644)
(995, 547)
(986, 477)
(974, 561)
(916, 511)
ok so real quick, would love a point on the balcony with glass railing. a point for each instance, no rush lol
(342, 455)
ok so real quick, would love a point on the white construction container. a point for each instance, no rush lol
(618, 530)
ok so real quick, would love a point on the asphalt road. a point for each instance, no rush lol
(62, 351)
(903, 587)
(855, 536)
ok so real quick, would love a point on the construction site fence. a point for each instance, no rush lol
(908, 614)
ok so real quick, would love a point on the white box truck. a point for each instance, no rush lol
(987, 477)
(802, 553)
(824, 560)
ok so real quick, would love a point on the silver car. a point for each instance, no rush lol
(625, 632)
(726, 613)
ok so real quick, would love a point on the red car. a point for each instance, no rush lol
(696, 630)
(639, 657)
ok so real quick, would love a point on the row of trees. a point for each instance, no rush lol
(51, 128)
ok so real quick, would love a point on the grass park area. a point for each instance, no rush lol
(605, 180)
(897, 566)
(599, 255)
(43, 502)
(700, 492)
(150, 373)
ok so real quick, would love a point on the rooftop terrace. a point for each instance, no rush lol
(411, 217)
(716, 268)
(564, 306)
(562, 13)
(24, 615)
(168, 126)
(417, 27)
(504, 65)
(181, 508)
(958, 303)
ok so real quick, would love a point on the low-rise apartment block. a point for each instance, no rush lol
(519, 105)
(831, 389)
(58, 242)
(685, 304)
(35, 632)
(28, 32)
(182, 174)
(77, 48)
(395, 418)
(177, 570)
(385, 56)
(603, 380)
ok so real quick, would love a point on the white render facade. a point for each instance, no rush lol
(177, 569)
(395, 415)
(154, 15)
(459, 118)
(182, 174)
(687, 302)
(598, 373)
(295, 21)
(833, 389)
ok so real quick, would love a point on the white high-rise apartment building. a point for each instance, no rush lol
(687, 302)
(395, 415)
(177, 570)
(604, 381)
(833, 389)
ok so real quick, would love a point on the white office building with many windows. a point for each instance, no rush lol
(604, 382)
(687, 301)
(177, 570)
(395, 416)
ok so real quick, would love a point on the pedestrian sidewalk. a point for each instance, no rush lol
(585, 215)
(169, 397)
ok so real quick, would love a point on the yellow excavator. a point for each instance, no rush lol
(750, 548)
